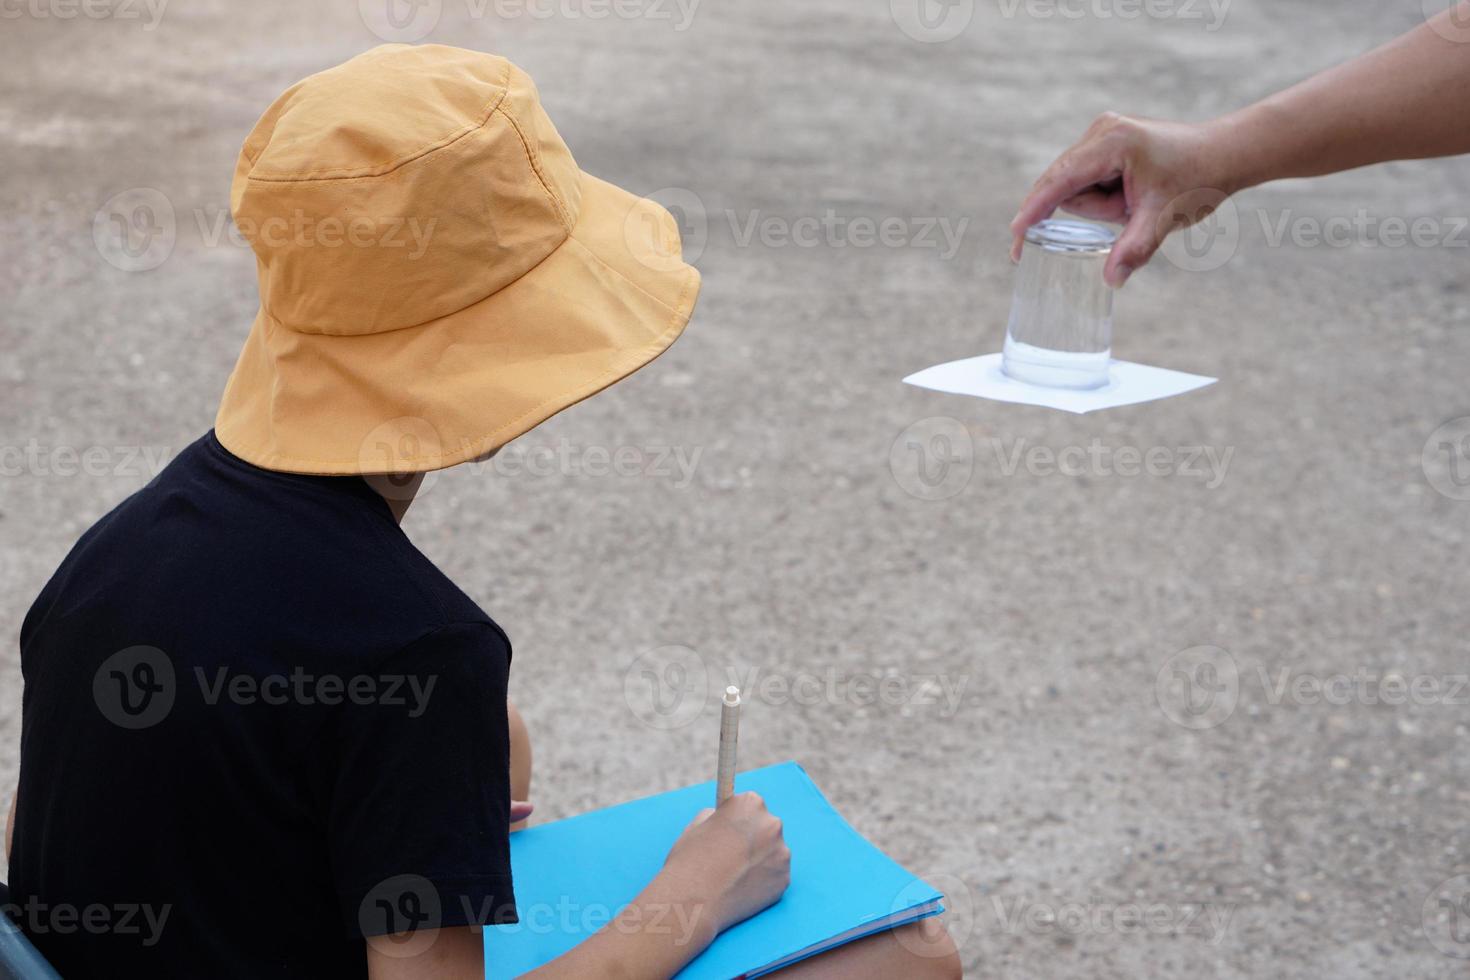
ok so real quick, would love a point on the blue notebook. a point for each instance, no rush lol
(573, 875)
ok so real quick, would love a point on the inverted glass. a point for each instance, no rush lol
(1060, 333)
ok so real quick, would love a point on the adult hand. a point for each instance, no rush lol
(1150, 175)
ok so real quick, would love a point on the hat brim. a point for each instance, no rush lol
(607, 301)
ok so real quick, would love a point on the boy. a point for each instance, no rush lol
(257, 722)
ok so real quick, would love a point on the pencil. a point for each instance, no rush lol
(729, 730)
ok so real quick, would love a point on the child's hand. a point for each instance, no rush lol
(736, 856)
(1150, 175)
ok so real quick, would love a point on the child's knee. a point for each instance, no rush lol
(931, 949)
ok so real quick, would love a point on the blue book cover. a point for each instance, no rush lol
(574, 875)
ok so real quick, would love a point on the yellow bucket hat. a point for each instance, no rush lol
(437, 276)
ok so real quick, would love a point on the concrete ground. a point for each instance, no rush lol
(1201, 718)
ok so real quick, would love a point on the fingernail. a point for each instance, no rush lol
(1124, 271)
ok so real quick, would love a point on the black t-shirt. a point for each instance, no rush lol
(258, 725)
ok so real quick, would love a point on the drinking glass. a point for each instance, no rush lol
(1060, 333)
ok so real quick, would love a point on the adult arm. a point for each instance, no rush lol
(1404, 100)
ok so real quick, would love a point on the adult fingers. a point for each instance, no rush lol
(1074, 172)
(1099, 203)
(1136, 245)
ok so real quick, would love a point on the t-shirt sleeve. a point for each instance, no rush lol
(418, 816)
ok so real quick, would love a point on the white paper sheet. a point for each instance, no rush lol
(1130, 384)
